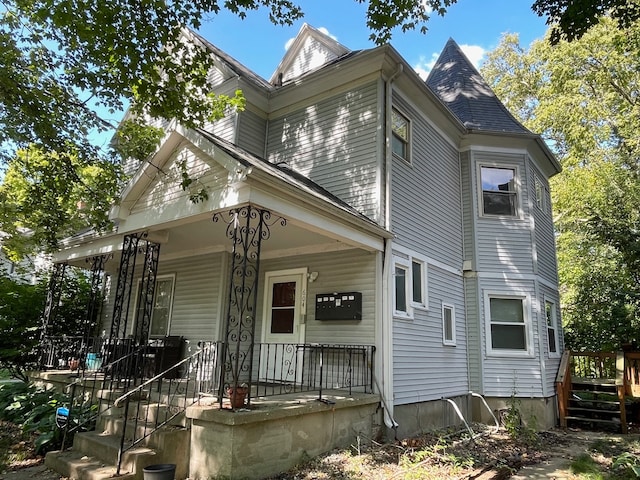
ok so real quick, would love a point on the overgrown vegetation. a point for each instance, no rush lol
(609, 459)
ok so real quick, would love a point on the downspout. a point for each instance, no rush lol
(387, 318)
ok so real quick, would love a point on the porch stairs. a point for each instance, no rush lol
(594, 404)
(591, 389)
(94, 454)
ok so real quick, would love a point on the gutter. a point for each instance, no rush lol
(387, 324)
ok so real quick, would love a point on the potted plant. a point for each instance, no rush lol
(237, 395)
(73, 363)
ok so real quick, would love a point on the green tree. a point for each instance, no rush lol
(21, 306)
(582, 96)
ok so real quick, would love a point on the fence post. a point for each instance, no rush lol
(621, 388)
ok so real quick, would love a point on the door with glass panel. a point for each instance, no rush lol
(283, 328)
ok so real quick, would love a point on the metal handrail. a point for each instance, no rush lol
(144, 390)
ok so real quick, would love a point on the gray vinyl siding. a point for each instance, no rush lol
(544, 233)
(504, 244)
(344, 271)
(251, 132)
(468, 211)
(196, 307)
(334, 142)
(552, 362)
(474, 338)
(423, 368)
(507, 374)
(426, 213)
(166, 187)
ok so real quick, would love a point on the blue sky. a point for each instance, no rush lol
(475, 25)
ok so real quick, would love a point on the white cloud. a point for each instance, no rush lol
(425, 65)
(474, 53)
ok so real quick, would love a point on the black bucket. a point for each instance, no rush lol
(162, 471)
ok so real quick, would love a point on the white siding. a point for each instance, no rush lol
(334, 143)
(311, 56)
(345, 271)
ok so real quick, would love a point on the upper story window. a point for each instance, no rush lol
(499, 191)
(410, 286)
(400, 135)
(507, 325)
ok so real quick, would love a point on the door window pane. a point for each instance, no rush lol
(416, 270)
(283, 307)
(161, 307)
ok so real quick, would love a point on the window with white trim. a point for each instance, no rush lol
(499, 191)
(399, 135)
(552, 330)
(507, 324)
(410, 286)
(160, 323)
(448, 324)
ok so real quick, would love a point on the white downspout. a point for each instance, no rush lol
(387, 317)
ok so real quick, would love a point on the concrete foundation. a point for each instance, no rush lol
(538, 413)
(266, 441)
(420, 417)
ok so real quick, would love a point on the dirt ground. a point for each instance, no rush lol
(491, 456)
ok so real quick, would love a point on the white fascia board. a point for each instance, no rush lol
(315, 221)
(97, 246)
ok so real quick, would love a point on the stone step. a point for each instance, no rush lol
(105, 447)
(78, 466)
(139, 429)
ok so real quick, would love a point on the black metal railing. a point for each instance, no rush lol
(69, 352)
(163, 398)
(288, 368)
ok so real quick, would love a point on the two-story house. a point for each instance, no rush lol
(350, 203)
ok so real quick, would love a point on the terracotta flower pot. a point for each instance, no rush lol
(73, 364)
(237, 395)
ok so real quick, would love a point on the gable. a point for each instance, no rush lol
(310, 50)
(166, 187)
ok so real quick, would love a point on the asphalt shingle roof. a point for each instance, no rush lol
(460, 86)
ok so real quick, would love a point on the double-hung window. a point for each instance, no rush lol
(499, 191)
(507, 325)
(540, 193)
(400, 135)
(160, 322)
(410, 286)
(552, 331)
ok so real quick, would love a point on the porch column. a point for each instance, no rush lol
(132, 245)
(54, 291)
(247, 227)
(95, 301)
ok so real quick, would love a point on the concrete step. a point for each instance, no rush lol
(105, 448)
(78, 466)
(137, 429)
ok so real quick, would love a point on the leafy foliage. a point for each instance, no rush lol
(583, 97)
(21, 307)
(52, 195)
(571, 20)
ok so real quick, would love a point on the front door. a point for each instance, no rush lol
(283, 325)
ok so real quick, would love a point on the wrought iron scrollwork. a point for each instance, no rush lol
(247, 228)
(54, 291)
